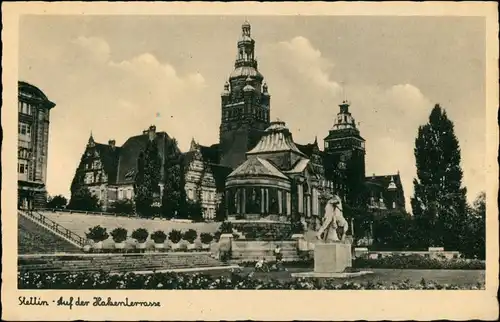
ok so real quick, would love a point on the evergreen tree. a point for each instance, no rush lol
(220, 211)
(147, 178)
(475, 241)
(174, 195)
(439, 202)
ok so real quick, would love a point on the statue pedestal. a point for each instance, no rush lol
(330, 261)
(332, 257)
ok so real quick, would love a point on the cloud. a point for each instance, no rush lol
(299, 55)
(388, 117)
(113, 99)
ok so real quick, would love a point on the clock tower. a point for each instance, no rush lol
(245, 105)
(345, 155)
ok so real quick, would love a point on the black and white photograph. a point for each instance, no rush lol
(251, 151)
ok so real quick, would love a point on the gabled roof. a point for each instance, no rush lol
(257, 167)
(129, 153)
(299, 167)
(309, 149)
(384, 180)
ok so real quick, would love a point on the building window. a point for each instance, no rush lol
(89, 177)
(129, 194)
(24, 129)
(190, 194)
(96, 164)
(22, 167)
(25, 108)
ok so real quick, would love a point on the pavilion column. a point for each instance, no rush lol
(244, 199)
(237, 200)
(280, 202)
(262, 201)
(300, 192)
(308, 210)
(288, 203)
(267, 200)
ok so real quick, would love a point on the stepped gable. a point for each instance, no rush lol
(110, 157)
(130, 151)
(257, 167)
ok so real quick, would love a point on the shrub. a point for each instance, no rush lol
(226, 228)
(140, 234)
(97, 234)
(217, 236)
(190, 235)
(159, 237)
(414, 261)
(206, 238)
(175, 236)
(119, 235)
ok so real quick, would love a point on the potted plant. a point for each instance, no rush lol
(119, 236)
(159, 238)
(97, 234)
(206, 239)
(175, 237)
(141, 235)
(190, 236)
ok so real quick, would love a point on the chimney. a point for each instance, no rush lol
(112, 143)
(152, 132)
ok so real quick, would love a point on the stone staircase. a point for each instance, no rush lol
(118, 263)
(243, 251)
(38, 235)
(53, 227)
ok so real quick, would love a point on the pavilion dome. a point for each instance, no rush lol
(276, 138)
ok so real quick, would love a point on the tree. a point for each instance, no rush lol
(194, 210)
(174, 195)
(474, 245)
(83, 200)
(147, 179)
(393, 230)
(124, 206)
(439, 202)
(57, 202)
(220, 211)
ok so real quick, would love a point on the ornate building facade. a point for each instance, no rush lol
(33, 139)
(256, 167)
(276, 181)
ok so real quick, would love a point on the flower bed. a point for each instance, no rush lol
(416, 262)
(103, 280)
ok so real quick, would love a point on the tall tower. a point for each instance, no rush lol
(245, 104)
(345, 155)
(33, 138)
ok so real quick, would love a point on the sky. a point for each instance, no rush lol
(114, 76)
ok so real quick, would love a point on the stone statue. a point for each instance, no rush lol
(332, 220)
